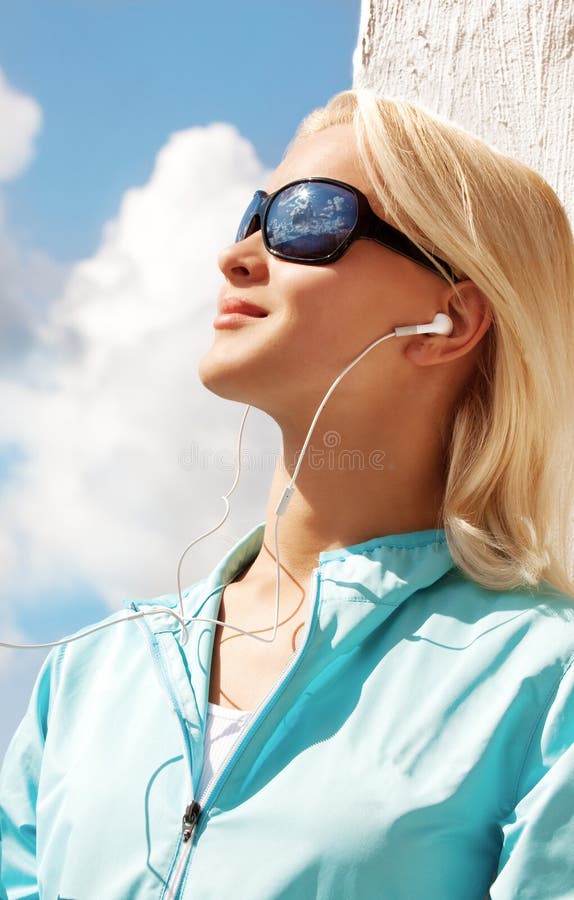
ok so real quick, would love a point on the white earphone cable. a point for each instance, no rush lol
(441, 325)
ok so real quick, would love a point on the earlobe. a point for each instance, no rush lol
(471, 315)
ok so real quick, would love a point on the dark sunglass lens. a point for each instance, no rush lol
(250, 221)
(311, 220)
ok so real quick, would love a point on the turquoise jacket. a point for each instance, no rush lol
(419, 744)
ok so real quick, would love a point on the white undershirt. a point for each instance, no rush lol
(224, 725)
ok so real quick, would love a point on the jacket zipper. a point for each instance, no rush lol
(166, 684)
(195, 809)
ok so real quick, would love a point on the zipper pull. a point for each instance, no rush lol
(190, 817)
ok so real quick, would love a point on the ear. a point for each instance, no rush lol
(471, 315)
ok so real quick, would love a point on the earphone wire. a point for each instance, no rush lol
(279, 511)
(211, 530)
(165, 609)
(283, 503)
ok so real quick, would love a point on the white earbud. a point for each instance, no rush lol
(441, 324)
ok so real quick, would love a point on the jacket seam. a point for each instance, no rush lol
(58, 660)
(164, 683)
(353, 598)
(548, 703)
(377, 548)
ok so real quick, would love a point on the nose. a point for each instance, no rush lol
(245, 261)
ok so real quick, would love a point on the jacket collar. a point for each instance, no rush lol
(353, 591)
(358, 587)
(383, 570)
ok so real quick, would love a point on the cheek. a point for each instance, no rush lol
(317, 304)
(315, 337)
(342, 320)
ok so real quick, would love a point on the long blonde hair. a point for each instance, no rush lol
(509, 497)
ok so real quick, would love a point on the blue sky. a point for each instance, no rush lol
(115, 78)
(116, 192)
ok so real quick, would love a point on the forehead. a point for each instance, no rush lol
(331, 153)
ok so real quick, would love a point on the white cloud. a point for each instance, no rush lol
(106, 408)
(29, 279)
(100, 396)
(21, 119)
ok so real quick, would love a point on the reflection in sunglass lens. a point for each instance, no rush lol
(311, 220)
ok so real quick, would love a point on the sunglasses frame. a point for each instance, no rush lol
(368, 225)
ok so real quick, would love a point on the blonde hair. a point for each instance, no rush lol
(509, 496)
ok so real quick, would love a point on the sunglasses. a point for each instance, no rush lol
(315, 221)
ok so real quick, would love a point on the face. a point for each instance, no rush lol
(317, 318)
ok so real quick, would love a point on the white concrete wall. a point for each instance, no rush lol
(502, 69)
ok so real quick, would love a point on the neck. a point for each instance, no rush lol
(353, 485)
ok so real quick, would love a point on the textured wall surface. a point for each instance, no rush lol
(502, 69)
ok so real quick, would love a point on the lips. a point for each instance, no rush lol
(235, 305)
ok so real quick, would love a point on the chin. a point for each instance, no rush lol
(219, 375)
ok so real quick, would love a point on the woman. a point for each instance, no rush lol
(409, 732)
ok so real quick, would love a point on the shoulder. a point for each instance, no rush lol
(103, 648)
(533, 628)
